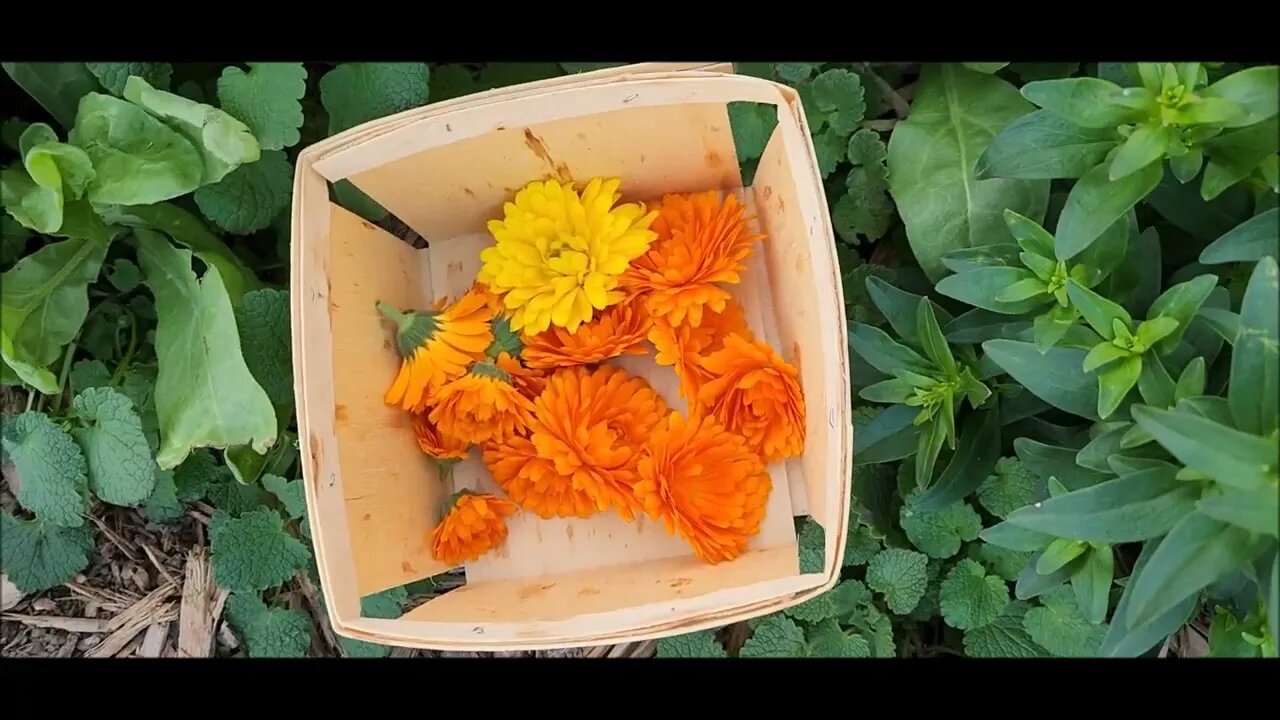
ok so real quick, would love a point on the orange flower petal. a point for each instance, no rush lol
(592, 425)
(702, 240)
(684, 345)
(705, 483)
(618, 330)
(454, 337)
(435, 444)
(480, 406)
(755, 393)
(532, 481)
(475, 524)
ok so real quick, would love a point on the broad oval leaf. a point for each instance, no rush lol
(121, 471)
(994, 255)
(1250, 241)
(56, 86)
(1131, 508)
(1044, 146)
(1096, 201)
(224, 143)
(205, 395)
(43, 302)
(138, 160)
(1254, 392)
(931, 162)
(1053, 376)
(1195, 553)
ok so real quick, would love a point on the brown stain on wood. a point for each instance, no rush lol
(529, 591)
(588, 592)
(568, 531)
(767, 192)
(469, 192)
(313, 443)
(405, 566)
(539, 148)
(339, 412)
(679, 582)
(368, 516)
(713, 159)
(795, 353)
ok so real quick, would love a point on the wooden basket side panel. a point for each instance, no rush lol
(807, 296)
(380, 126)
(391, 490)
(312, 341)
(453, 190)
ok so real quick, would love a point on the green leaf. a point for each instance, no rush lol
(1256, 90)
(1010, 487)
(973, 461)
(1031, 583)
(43, 302)
(932, 436)
(354, 93)
(775, 636)
(751, 123)
(827, 640)
(251, 196)
(985, 67)
(898, 575)
(1005, 254)
(1115, 382)
(883, 353)
(795, 72)
(163, 505)
(1084, 101)
(1120, 641)
(840, 93)
(939, 533)
(901, 308)
(1236, 154)
(1132, 508)
(981, 288)
(1098, 311)
(187, 229)
(124, 275)
(931, 339)
(262, 318)
(121, 471)
(88, 373)
(1145, 146)
(812, 541)
(1254, 392)
(1048, 461)
(931, 159)
(1012, 537)
(1181, 302)
(253, 552)
(1256, 511)
(970, 598)
(701, 644)
(1044, 146)
(861, 545)
(1092, 584)
(1058, 554)
(56, 86)
(267, 99)
(51, 470)
(224, 143)
(1183, 206)
(38, 555)
(269, 632)
(290, 493)
(1227, 635)
(1096, 201)
(1195, 553)
(889, 436)
(1004, 637)
(1220, 452)
(205, 394)
(138, 160)
(113, 75)
(1002, 561)
(1053, 376)
(195, 475)
(1058, 626)
(1250, 241)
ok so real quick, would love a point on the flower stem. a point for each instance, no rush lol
(392, 314)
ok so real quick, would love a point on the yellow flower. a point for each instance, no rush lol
(559, 255)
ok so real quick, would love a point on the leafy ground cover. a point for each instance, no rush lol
(1061, 286)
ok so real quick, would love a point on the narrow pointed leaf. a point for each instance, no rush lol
(1121, 641)
(1085, 101)
(1115, 382)
(1181, 302)
(1043, 145)
(1254, 391)
(1096, 201)
(884, 353)
(1227, 455)
(1256, 511)
(1145, 146)
(973, 461)
(1092, 584)
(1098, 311)
(1250, 241)
(1053, 376)
(1032, 584)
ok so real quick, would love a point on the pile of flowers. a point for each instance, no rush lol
(518, 369)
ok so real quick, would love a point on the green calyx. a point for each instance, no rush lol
(413, 328)
(488, 369)
(504, 339)
(449, 503)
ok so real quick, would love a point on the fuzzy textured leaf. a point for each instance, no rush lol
(1011, 486)
(939, 533)
(1058, 626)
(269, 632)
(267, 99)
(354, 93)
(1004, 637)
(51, 471)
(205, 394)
(37, 556)
(262, 318)
(899, 575)
(776, 636)
(970, 598)
(253, 552)
(121, 471)
(250, 197)
(931, 162)
(701, 644)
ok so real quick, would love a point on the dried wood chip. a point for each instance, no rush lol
(69, 624)
(202, 602)
(10, 595)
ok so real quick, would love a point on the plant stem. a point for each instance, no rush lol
(128, 353)
(66, 371)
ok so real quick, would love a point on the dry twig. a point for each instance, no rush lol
(202, 602)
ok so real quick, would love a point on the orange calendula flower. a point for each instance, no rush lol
(443, 450)
(532, 481)
(529, 381)
(618, 330)
(702, 241)
(685, 345)
(471, 525)
(436, 346)
(592, 425)
(755, 393)
(481, 406)
(703, 482)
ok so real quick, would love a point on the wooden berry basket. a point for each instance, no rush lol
(444, 169)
